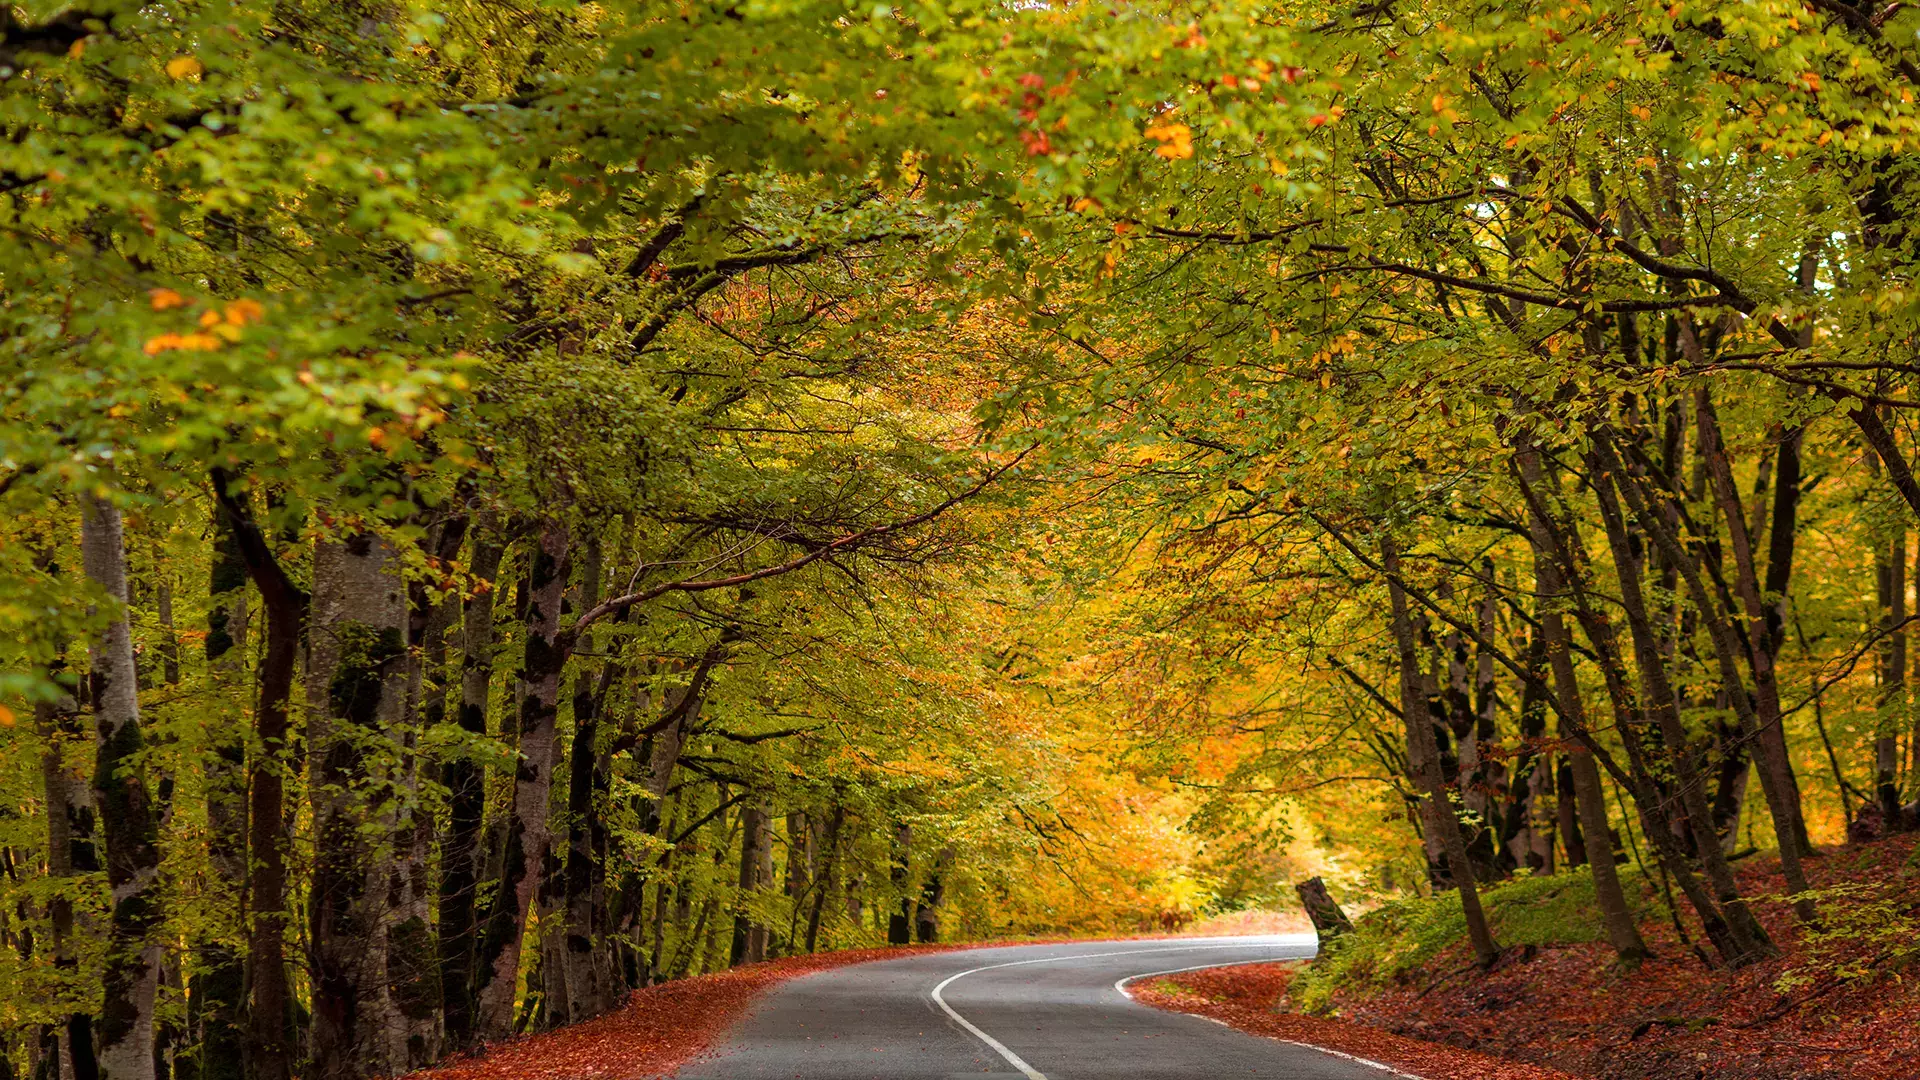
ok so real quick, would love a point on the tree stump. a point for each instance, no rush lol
(1328, 920)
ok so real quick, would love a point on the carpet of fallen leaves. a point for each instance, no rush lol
(1245, 996)
(1673, 1019)
(658, 1029)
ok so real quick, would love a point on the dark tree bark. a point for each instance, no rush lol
(527, 841)
(466, 797)
(586, 978)
(926, 915)
(1323, 911)
(219, 989)
(269, 1053)
(900, 920)
(823, 887)
(1748, 940)
(756, 873)
(1755, 716)
(414, 1027)
(1566, 812)
(1554, 577)
(71, 851)
(1778, 783)
(1439, 811)
(125, 1031)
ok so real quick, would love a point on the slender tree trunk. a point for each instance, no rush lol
(823, 888)
(1554, 575)
(71, 853)
(1749, 939)
(527, 839)
(269, 1054)
(1439, 811)
(1566, 811)
(1755, 715)
(1888, 564)
(219, 989)
(1589, 798)
(414, 1028)
(1777, 781)
(899, 921)
(132, 974)
(356, 694)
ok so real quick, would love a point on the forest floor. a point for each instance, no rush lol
(1836, 1005)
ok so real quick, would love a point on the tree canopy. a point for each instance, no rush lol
(510, 503)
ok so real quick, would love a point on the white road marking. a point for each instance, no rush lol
(1121, 985)
(1014, 1059)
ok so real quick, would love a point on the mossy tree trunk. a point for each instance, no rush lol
(465, 780)
(356, 693)
(125, 1031)
(526, 840)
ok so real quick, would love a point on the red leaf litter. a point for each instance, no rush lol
(1244, 997)
(1851, 1015)
(658, 1029)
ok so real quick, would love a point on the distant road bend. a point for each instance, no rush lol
(1042, 1012)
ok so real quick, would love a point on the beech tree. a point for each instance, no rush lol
(507, 506)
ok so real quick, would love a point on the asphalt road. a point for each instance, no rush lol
(1042, 1012)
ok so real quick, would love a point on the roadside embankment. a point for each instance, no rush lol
(1839, 1003)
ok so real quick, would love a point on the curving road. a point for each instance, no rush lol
(1042, 1012)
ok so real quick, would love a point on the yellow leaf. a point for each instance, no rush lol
(6, 716)
(185, 67)
(162, 299)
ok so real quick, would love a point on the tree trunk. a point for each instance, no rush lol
(1758, 712)
(132, 973)
(1777, 780)
(1889, 572)
(527, 840)
(899, 921)
(71, 852)
(219, 989)
(1566, 812)
(467, 796)
(269, 1054)
(824, 886)
(1439, 811)
(756, 873)
(1323, 911)
(356, 697)
(1552, 578)
(582, 970)
(926, 916)
(1748, 939)
(414, 1028)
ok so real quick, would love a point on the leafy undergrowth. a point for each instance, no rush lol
(1839, 1004)
(656, 1031)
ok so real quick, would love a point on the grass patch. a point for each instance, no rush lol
(1400, 940)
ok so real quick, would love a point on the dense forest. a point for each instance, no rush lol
(504, 504)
